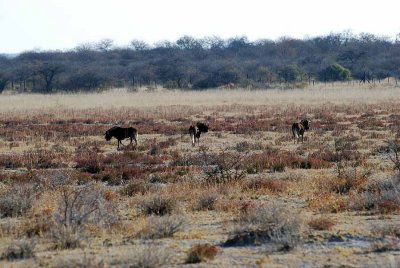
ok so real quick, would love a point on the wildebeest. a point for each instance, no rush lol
(298, 130)
(121, 133)
(195, 131)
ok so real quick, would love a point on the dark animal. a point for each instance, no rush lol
(121, 133)
(298, 130)
(195, 131)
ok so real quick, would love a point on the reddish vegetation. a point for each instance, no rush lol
(248, 159)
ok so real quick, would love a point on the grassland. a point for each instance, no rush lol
(246, 196)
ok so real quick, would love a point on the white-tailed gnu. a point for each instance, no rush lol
(195, 131)
(298, 130)
(121, 133)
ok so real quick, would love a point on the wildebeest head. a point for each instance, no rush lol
(202, 127)
(305, 124)
(108, 135)
(192, 130)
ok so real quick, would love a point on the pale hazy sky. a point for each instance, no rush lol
(64, 24)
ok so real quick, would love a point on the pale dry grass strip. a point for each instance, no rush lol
(346, 94)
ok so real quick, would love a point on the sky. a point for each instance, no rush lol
(65, 24)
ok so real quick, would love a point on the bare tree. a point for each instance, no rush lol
(47, 72)
(105, 44)
(139, 45)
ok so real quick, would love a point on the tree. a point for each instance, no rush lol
(335, 72)
(264, 74)
(188, 42)
(4, 79)
(105, 44)
(138, 45)
(291, 73)
(47, 71)
(84, 80)
(213, 42)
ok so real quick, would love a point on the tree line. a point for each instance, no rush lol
(210, 62)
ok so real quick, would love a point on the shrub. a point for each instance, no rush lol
(207, 201)
(273, 185)
(224, 167)
(157, 205)
(17, 200)
(67, 237)
(386, 230)
(393, 148)
(202, 252)
(80, 261)
(147, 257)
(89, 162)
(382, 196)
(85, 204)
(20, 249)
(268, 224)
(161, 227)
(135, 187)
(385, 244)
(40, 224)
(321, 223)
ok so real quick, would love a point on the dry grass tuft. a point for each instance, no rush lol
(321, 223)
(160, 227)
(201, 253)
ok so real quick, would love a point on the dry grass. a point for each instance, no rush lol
(64, 187)
(341, 94)
(321, 223)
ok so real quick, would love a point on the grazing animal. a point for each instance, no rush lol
(195, 131)
(121, 133)
(298, 130)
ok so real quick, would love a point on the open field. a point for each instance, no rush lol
(246, 196)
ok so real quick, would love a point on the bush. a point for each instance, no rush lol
(89, 162)
(135, 187)
(80, 261)
(85, 204)
(148, 257)
(321, 223)
(157, 205)
(382, 196)
(273, 185)
(67, 237)
(207, 201)
(201, 253)
(224, 167)
(268, 224)
(20, 249)
(161, 227)
(17, 200)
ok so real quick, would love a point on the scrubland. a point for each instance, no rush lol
(246, 196)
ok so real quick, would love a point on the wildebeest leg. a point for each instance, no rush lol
(193, 140)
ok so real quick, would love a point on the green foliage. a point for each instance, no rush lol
(335, 72)
(291, 73)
